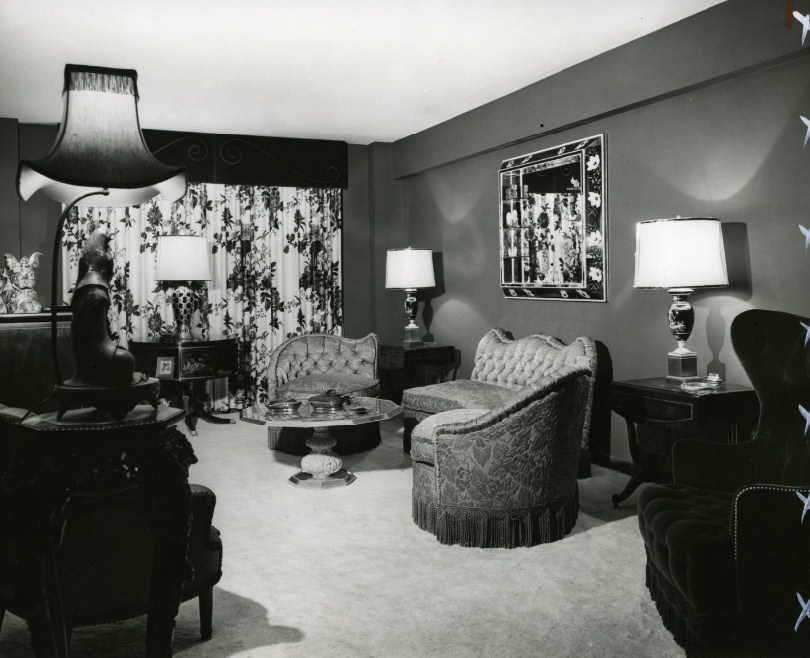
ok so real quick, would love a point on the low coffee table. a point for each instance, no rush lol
(322, 467)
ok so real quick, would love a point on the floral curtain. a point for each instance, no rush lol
(276, 269)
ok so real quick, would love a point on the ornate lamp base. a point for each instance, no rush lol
(681, 362)
(413, 336)
(183, 307)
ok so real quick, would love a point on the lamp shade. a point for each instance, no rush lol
(685, 252)
(182, 258)
(100, 145)
(409, 269)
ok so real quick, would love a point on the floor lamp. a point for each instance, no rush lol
(99, 158)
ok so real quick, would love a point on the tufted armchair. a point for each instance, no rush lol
(505, 370)
(303, 366)
(507, 476)
(728, 544)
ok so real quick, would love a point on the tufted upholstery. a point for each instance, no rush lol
(507, 476)
(504, 369)
(728, 547)
(303, 366)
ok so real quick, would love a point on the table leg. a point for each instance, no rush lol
(647, 467)
(200, 411)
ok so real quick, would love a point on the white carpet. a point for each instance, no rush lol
(345, 572)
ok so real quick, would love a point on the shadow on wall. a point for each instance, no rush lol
(599, 439)
(429, 294)
(738, 265)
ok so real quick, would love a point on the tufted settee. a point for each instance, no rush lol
(503, 477)
(505, 370)
(303, 366)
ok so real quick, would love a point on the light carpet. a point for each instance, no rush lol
(345, 572)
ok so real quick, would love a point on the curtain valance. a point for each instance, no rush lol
(253, 160)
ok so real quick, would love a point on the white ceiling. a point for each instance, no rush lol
(354, 70)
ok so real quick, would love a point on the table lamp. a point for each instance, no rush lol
(182, 259)
(99, 159)
(409, 270)
(680, 254)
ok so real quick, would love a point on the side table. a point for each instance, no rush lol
(433, 357)
(185, 365)
(48, 463)
(658, 412)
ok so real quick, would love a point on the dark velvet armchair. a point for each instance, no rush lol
(728, 544)
(104, 566)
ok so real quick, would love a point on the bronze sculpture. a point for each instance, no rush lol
(104, 374)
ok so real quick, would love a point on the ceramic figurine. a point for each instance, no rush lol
(3, 284)
(18, 292)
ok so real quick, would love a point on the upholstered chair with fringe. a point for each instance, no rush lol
(503, 477)
(728, 544)
(505, 369)
(312, 364)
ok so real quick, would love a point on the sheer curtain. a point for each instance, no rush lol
(276, 269)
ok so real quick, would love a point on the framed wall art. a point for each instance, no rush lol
(553, 223)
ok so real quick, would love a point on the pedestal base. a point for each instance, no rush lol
(322, 468)
(341, 478)
(682, 367)
(118, 401)
(413, 337)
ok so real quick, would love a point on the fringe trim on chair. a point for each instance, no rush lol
(486, 528)
(716, 636)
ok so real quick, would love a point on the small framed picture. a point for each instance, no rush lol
(165, 367)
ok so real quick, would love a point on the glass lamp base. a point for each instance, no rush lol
(413, 337)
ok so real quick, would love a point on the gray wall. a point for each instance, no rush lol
(701, 119)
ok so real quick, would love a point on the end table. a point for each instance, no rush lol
(434, 358)
(186, 364)
(658, 412)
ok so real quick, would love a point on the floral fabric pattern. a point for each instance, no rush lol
(276, 269)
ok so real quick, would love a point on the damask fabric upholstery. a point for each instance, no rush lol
(728, 545)
(504, 369)
(457, 394)
(503, 477)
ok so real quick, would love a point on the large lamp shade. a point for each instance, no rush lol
(100, 145)
(685, 252)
